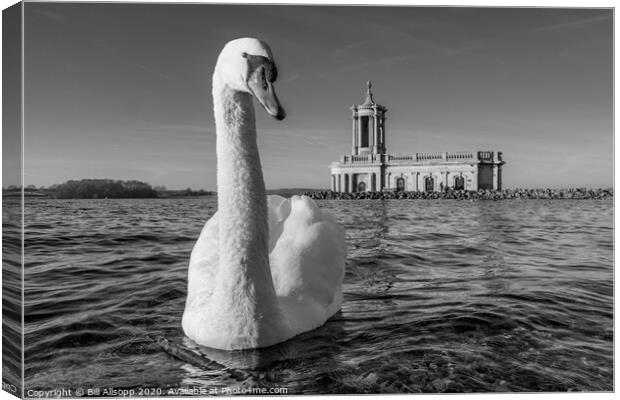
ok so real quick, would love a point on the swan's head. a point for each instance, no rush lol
(247, 65)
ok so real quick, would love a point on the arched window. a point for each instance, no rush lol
(373, 182)
(400, 184)
(429, 184)
(346, 183)
(459, 183)
(361, 187)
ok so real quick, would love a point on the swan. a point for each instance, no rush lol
(264, 268)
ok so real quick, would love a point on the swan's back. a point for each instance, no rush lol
(307, 259)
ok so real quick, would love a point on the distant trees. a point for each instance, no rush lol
(102, 188)
(163, 192)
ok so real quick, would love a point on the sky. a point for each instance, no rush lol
(123, 91)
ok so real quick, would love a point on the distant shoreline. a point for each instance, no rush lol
(102, 189)
(157, 193)
(39, 194)
(505, 194)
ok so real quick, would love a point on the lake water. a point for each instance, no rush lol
(439, 296)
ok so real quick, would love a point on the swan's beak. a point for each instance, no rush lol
(269, 100)
(272, 104)
(265, 93)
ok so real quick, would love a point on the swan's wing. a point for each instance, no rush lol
(279, 209)
(308, 253)
(203, 262)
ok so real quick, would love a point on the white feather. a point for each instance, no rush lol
(263, 270)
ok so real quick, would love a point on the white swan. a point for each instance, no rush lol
(263, 269)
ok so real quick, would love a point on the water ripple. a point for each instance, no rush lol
(439, 296)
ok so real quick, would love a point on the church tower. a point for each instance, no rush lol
(370, 168)
(368, 126)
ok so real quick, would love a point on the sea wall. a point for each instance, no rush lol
(506, 194)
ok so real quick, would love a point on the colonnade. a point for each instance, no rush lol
(349, 182)
(425, 181)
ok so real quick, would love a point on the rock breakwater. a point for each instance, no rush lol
(505, 194)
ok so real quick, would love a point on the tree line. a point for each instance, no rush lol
(101, 189)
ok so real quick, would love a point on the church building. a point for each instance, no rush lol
(370, 167)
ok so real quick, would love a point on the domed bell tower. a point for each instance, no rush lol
(368, 126)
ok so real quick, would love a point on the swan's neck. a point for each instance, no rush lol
(242, 204)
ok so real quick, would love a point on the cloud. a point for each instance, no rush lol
(524, 32)
(351, 46)
(363, 65)
(289, 78)
(54, 16)
(447, 51)
(152, 71)
(563, 25)
(307, 136)
(188, 129)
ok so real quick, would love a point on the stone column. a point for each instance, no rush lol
(371, 135)
(495, 177)
(354, 138)
(383, 132)
(359, 132)
(376, 140)
(380, 135)
(474, 181)
(499, 177)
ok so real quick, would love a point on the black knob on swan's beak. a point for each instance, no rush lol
(281, 114)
